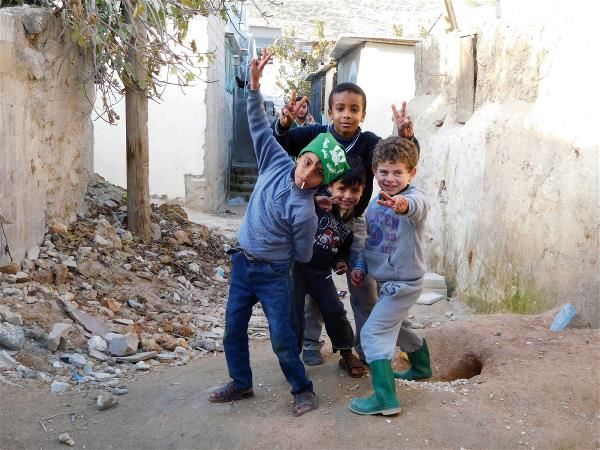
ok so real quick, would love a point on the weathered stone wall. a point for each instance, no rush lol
(515, 217)
(45, 129)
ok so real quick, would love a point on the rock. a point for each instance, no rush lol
(142, 356)
(193, 267)
(11, 268)
(90, 268)
(106, 401)
(107, 234)
(57, 228)
(417, 326)
(11, 291)
(123, 345)
(6, 315)
(156, 233)
(166, 357)
(21, 277)
(167, 342)
(204, 344)
(98, 355)
(77, 360)
(90, 323)
(98, 344)
(58, 337)
(182, 237)
(119, 391)
(111, 304)
(435, 283)
(57, 387)
(135, 304)
(65, 438)
(101, 376)
(123, 321)
(33, 253)
(150, 345)
(7, 362)
(60, 273)
(127, 236)
(11, 336)
(142, 366)
(70, 263)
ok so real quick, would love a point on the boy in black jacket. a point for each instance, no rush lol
(331, 250)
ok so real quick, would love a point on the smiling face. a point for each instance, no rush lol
(309, 171)
(347, 112)
(393, 176)
(348, 196)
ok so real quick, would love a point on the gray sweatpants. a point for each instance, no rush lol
(387, 326)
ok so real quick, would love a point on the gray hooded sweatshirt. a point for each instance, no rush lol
(394, 246)
(280, 222)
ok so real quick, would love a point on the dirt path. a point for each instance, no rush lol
(536, 389)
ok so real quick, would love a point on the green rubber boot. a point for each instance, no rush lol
(421, 366)
(384, 400)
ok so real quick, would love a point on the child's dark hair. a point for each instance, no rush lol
(356, 175)
(396, 149)
(351, 87)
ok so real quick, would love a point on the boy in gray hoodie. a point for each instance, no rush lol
(278, 228)
(393, 256)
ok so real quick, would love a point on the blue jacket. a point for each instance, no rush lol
(394, 246)
(280, 222)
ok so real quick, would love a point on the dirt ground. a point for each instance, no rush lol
(523, 387)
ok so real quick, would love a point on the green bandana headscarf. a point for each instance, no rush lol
(331, 154)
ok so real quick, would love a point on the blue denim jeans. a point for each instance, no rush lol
(271, 284)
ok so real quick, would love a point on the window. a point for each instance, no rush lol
(229, 67)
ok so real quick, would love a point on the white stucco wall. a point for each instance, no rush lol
(515, 219)
(177, 133)
(386, 74)
(45, 127)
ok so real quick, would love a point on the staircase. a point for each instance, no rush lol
(242, 180)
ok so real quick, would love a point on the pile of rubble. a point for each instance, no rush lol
(93, 305)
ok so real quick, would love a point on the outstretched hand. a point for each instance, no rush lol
(326, 203)
(398, 203)
(289, 111)
(403, 122)
(256, 68)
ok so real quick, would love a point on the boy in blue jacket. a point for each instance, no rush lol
(278, 228)
(393, 257)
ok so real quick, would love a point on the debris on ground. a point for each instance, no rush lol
(93, 305)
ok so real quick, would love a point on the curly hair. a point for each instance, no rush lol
(396, 149)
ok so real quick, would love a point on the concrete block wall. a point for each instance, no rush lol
(45, 128)
(514, 223)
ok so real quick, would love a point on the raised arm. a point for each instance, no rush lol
(268, 152)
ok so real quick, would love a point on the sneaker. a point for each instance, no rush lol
(312, 357)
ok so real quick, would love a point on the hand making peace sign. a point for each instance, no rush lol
(403, 122)
(289, 111)
(256, 68)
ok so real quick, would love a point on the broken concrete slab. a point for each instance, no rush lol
(90, 323)
(6, 315)
(429, 298)
(11, 336)
(58, 336)
(123, 344)
(7, 362)
(434, 282)
(142, 356)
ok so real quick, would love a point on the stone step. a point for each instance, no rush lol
(435, 283)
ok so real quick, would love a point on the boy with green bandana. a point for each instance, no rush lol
(278, 228)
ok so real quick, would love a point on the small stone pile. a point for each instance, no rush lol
(92, 303)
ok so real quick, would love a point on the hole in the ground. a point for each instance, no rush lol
(468, 366)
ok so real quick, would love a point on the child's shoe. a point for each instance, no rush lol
(384, 400)
(228, 393)
(421, 365)
(304, 402)
(312, 357)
